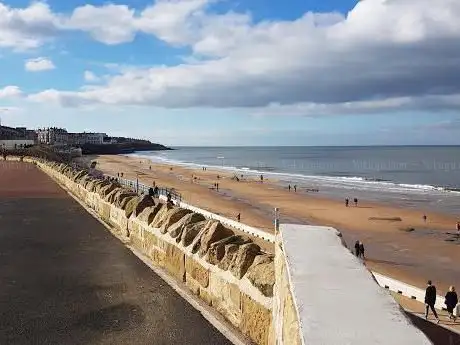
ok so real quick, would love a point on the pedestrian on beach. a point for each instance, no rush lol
(261, 178)
(347, 202)
(361, 250)
(295, 188)
(357, 251)
(153, 184)
(289, 187)
(238, 217)
(458, 227)
(217, 186)
(150, 167)
(121, 174)
(355, 200)
(424, 218)
(430, 300)
(451, 302)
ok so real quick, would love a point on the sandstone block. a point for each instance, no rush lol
(262, 274)
(243, 259)
(126, 200)
(291, 331)
(192, 284)
(107, 189)
(173, 216)
(158, 220)
(216, 251)
(205, 296)
(130, 206)
(158, 257)
(197, 272)
(214, 233)
(150, 242)
(149, 213)
(226, 298)
(230, 252)
(144, 202)
(175, 230)
(175, 262)
(256, 320)
(190, 232)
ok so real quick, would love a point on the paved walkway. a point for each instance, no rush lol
(66, 280)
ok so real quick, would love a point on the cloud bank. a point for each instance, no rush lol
(381, 56)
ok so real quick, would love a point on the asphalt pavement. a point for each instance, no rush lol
(64, 279)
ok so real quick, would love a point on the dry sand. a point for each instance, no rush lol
(411, 256)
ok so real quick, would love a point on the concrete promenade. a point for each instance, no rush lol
(66, 280)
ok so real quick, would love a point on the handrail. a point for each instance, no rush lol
(177, 198)
(141, 188)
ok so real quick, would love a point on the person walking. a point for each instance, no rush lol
(347, 202)
(361, 250)
(430, 300)
(295, 188)
(238, 217)
(289, 187)
(355, 200)
(357, 249)
(451, 302)
(424, 218)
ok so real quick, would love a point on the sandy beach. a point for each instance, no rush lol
(398, 241)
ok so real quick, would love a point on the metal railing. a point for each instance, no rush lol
(141, 188)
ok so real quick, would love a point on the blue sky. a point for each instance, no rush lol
(223, 72)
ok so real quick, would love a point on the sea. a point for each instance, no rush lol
(422, 177)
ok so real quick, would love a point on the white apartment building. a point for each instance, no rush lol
(60, 136)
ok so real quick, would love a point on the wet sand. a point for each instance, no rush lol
(392, 248)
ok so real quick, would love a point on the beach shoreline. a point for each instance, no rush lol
(399, 243)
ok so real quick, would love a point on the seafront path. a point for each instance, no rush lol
(66, 280)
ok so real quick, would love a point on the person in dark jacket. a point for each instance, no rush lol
(357, 249)
(430, 300)
(361, 250)
(451, 302)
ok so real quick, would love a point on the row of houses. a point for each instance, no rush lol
(60, 137)
(20, 137)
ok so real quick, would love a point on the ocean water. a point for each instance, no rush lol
(426, 177)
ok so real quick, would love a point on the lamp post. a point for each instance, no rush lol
(276, 222)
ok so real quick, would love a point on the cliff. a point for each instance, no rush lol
(121, 148)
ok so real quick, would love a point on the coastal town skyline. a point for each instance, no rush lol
(202, 72)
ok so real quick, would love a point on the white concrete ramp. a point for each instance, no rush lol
(335, 296)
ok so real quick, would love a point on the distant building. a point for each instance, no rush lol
(18, 133)
(15, 144)
(60, 137)
(53, 136)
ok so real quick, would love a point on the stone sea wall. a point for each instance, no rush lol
(227, 271)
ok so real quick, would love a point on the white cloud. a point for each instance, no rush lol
(24, 28)
(382, 55)
(90, 77)
(39, 64)
(173, 21)
(10, 91)
(110, 24)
